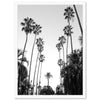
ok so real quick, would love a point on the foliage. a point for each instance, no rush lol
(62, 40)
(48, 75)
(47, 90)
(60, 62)
(28, 25)
(59, 90)
(59, 46)
(68, 30)
(23, 83)
(42, 58)
(69, 13)
(72, 73)
(37, 29)
(40, 43)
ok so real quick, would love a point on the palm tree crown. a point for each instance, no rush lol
(48, 75)
(40, 44)
(28, 25)
(69, 13)
(39, 41)
(59, 46)
(60, 62)
(62, 40)
(68, 30)
(42, 58)
(36, 29)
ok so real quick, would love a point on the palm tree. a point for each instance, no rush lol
(40, 47)
(48, 76)
(62, 40)
(41, 59)
(67, 31)
(59, 47)
(27, 28)
(36, 30)
(60, 63)
(69, 14)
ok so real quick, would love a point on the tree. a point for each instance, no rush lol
(62, 40)
(22, 73)
(47, 90)
(72, 74)
(69, 14)
(19, 57)
(40, 47)
(27, 28)
(48, 76)
(59, 90)
(60, 63)
(41, 59)
(36, 30)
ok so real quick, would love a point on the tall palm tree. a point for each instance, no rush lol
(36, 30)
(48, 76)
(40, 47)
(60, 63)
(69, 14)
(41, 59)
(62, 40)
(68, 31)
(27, 26)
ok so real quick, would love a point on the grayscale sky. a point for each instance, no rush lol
(51, 18)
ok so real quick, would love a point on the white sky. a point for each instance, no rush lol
(51, 18)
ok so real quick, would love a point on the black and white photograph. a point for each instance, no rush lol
(51, 41)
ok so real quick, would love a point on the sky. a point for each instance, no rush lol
(51, 18)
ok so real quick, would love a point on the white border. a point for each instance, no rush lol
(84, 52)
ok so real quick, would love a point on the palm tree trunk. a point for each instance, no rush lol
(40, 74)
(31, 57)
(63, 54)
(59, 54)
(37, 77)
(48, 81)
(60, 76)
(67, 49)
(78, 19)
(35, 71)
(24, 47)
(71, 43)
